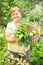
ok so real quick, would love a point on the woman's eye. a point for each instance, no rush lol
(16, 13)
(13, 14)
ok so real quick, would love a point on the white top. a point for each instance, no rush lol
(15, 46)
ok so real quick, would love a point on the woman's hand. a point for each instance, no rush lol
(36, 37)
(23, 52)
(9, 38)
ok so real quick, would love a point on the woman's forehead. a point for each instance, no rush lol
(15, 12)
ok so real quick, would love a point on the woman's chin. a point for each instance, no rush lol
(16, 19)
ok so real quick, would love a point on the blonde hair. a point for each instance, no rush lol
(13, 9)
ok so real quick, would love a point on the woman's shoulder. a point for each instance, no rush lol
(10, 24)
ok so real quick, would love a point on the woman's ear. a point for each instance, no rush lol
(20, 15)
(11, 16)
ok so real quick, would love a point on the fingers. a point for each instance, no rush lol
(35, 38)
(9, 34)
(23, 52)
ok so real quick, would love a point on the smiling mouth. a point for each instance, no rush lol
(16, 17)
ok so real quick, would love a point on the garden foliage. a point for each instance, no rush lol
(32, 11)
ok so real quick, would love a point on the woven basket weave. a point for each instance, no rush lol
(35, 38)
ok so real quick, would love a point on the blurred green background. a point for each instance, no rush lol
(32, 11)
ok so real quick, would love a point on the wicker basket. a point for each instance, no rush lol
(35, 38)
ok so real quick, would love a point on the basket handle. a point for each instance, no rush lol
(30, 25)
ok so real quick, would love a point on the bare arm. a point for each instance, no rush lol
(9, 39)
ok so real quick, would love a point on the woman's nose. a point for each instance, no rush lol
(15, 15)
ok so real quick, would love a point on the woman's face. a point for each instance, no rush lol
(16, 16)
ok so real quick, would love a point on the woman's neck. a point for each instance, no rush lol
(16, 23)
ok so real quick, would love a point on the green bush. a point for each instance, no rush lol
(28, 15)
(25, 6)
(36, 53)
